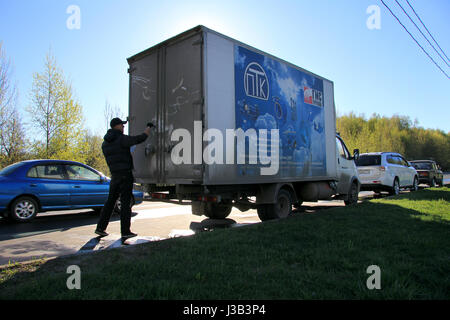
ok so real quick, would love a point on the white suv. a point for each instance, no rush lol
(386, 171)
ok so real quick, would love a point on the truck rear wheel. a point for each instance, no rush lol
(279, 210)
(218, 210)
(212, 210)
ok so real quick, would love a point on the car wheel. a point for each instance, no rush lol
(24, 209)
(395, 188)
(415, 185)
(353, 195)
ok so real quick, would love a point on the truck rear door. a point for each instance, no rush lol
(166, 88)
(183, 106)
(143, 108)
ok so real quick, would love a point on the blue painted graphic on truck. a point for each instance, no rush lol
(273, 95)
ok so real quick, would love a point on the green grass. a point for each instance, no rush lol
(323, 255)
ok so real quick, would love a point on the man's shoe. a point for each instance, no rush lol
(101, 233)
(128, 235)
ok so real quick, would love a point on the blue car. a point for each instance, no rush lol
(33, 186)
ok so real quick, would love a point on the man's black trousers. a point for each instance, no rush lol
(121, 185)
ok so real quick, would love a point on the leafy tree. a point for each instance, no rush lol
(92, 152)
(396, 134)
(56, 114)
(13, 141)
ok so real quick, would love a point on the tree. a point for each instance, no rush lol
(55, 113)
(8, 92)
(12, 135)
(110, 112)
(396, 134)
(92, 152)
(13, 141)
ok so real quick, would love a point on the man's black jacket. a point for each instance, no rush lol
(116, 149)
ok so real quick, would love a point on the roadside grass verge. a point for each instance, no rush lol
(324, 255)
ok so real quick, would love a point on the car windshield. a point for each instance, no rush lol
(368, 160)
(421, 165)
(10, 169)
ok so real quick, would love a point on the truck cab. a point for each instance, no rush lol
(348, 183)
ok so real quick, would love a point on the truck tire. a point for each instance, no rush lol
(279, 210)
(353, 195)
(218, 210)
(24, 209)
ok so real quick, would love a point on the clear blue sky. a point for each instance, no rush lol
(380, 71)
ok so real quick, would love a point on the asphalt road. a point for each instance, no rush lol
(72, 232)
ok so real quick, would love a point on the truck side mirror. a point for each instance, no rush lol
(355, 154)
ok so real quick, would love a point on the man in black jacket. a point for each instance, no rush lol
(116, 149)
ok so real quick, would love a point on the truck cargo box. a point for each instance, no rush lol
(227, 113)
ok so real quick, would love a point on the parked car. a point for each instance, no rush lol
(429, 172)
(386, 171)
(33, 186)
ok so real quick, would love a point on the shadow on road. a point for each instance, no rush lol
(90, 245)
(50, 223)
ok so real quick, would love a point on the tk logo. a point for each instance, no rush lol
(256, 83)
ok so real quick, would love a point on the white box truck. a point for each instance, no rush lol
(234, 126)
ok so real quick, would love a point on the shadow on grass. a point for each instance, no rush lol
(320, 256)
